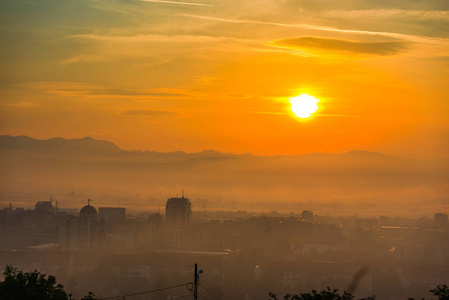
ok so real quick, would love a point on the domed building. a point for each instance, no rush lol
(88, 226)
(88, 210)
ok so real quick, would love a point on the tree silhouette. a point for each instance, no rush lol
(19, 285)
(442, 292)
(326, 294)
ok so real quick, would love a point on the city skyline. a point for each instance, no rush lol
(112, 253)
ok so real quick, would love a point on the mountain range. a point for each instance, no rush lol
(97, 167)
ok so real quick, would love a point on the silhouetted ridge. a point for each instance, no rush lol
(90, 145)
(87, 144)
(364, 153)
(373, 156)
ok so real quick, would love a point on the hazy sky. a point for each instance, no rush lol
(218, 74)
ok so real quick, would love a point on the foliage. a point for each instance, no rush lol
(442, 292)
(89, 297)
(19, 285)
(326, 294)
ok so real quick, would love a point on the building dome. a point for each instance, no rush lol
(88, 210)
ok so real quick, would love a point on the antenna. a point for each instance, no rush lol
(182, 193)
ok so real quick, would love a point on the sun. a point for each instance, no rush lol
(304, 105)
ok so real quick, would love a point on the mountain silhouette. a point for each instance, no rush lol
(59, 165)
(87, 144)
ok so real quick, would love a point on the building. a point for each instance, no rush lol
(69, 233)
(178, 211)
(307, 215)
(155, 230)
(45, 206)
(79, 232)
(114, 214)
(440, 220)
(177, 217)
(87, 227)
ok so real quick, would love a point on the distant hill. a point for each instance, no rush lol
(57, 147)
(95, 166)
(86, 145)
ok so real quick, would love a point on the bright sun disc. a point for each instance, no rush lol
(303, 106)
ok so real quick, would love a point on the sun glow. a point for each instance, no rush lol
(304, 105)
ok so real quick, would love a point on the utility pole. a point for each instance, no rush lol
(195, 283)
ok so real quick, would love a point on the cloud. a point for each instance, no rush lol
(21, 104)
(157, 47)
(437, 15)
(185, 39)
(149, 113)
(177, 2)
(406, 37)
(80, 89)
(122, 92)
(238, 96)
(374, 48)
(204, 79)
(34, 3)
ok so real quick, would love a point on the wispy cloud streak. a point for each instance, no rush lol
(84, 90)
(21, 104)
(149, 113)
(283, 113)
(438, 15)
(34, 3)
(407, 37)
(177, 3)
(378, 48)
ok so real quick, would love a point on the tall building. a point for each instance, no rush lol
(177, 215)
(178, 210)
(87, 225)
(307, 215)
(440, 220)
(155, 231)
(69, 232)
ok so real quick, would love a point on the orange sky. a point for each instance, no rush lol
(194, 75)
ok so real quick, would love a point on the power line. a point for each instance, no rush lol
(181, 297)
(147, 292)
(209, 291)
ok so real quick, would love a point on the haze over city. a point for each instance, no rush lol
(360, 182)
